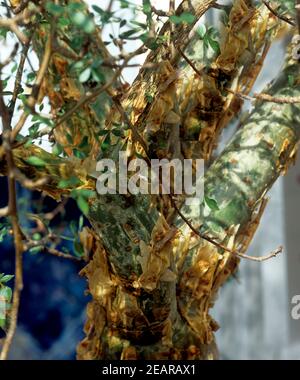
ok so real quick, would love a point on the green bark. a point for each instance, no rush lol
(152, 279)
(167, 315)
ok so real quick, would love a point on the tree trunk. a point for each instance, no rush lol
(153, 286)
(152, 278)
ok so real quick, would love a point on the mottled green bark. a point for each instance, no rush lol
(152, 279)
(237, 181)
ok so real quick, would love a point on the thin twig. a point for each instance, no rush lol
(36, 87)
(12, 25)
(275, 13)
(90, 96)
(262, 96)
(52, 251)
(10, 57)
(57, 253)
(18, 79)
(13, 213)
(28, 183)
(136, 135)
(221, 246)
(58, 210)
(23, 4)
(160, 12)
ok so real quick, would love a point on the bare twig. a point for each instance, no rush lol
(36, 88)
(13, 213)
(19, 77)
(28, 183)
(19, 126)
(10, 57)
(136, 135)
(57, 253)
(262, 96)
(23, 4)
(221, 246)
(58, 209)
(12, 25)
(275, 13)
(160, 12)
(51, 251)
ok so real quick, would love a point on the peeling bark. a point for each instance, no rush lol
(167, 308)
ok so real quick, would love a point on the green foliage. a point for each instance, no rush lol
(4, 230)
(211, 203)
(210, 37)
(5, 299)
(184, 18)
(69, 183)
(82, 197)
(36, 161)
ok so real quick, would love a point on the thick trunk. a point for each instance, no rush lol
(152, 279)
(153, 286)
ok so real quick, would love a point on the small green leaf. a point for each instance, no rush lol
(35, 250)
(54, 9)
(201, 31)
(36, 236)
(211, 203)
(36, 161)
(83, 205)
(57, 149)
(78, 249)
(79, 154)
(89, 26)
(70, 182)
(291, 80)
(80, 224)
(85, 75)
(187, 17)
(6, 294)
(6, 278)
(175, 19)
(79, 18)
(213, 44)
